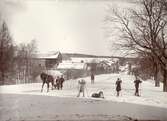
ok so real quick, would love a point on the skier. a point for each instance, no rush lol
(92, 78)
(118, 86)
(137, 82)
(61, 82)
(81, 84)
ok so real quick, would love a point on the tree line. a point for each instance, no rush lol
(16, 60)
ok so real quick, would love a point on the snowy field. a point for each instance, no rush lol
(25, 101)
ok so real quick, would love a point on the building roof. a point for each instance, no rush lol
(70, 65)
(54, 55)
(53, 72)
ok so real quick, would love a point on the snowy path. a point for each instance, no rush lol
(30, 103)
(31, 107)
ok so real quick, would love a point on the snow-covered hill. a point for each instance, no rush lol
(150, 95)
(64, 105)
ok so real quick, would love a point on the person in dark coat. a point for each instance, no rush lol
(58, 82)
(61, 82)
(92, 78)
(118, 85)
(137, 82)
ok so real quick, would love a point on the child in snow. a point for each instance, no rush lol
(118, 86)
(137, 82)
(81, 84)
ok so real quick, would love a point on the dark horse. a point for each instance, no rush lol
(46, 79)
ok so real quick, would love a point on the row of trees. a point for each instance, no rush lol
(16, 61)
(144, 30)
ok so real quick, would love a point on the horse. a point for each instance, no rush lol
(47, 79)
(98, 95)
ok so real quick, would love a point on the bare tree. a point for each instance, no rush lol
(25, 61)
(144, 29)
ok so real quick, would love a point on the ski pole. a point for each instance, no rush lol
(86, 91)
(140, 89)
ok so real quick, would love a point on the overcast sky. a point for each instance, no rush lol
(60, 25)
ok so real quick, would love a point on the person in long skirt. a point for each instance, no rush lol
(137, 83)
(58, 82)
(118, 86)
(61, 82)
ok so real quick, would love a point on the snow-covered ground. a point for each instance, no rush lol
(25, 101)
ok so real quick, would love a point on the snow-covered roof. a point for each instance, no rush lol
(71, 65)
(86, 60)
(106, 62)
(54, 55)
(95, 60)
(54, 72)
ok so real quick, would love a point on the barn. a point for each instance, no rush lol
(49, 60)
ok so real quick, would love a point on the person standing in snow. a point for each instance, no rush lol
(81, 84)
(61, 82)
(137, 82)
(92, 78)
(58, 82)
(118, 85)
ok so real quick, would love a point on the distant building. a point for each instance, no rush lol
(102, 66)
(105, 66)
(49, 61)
